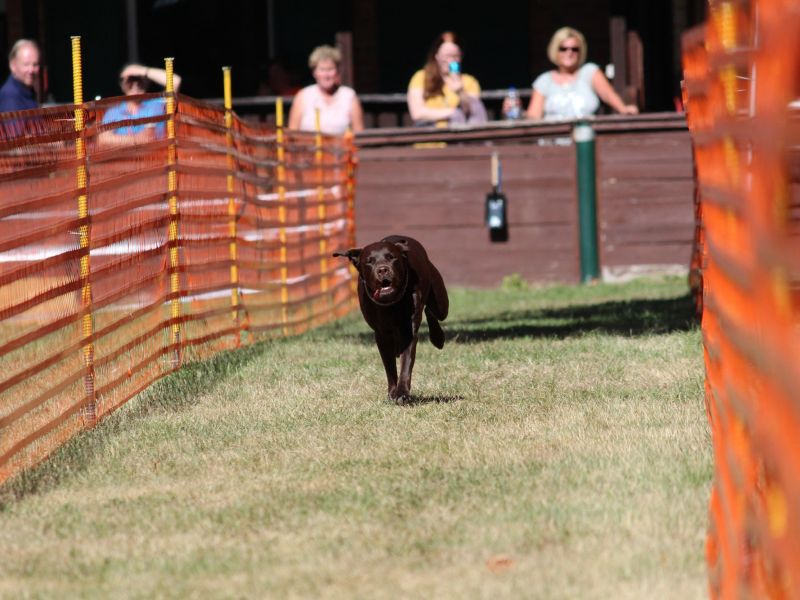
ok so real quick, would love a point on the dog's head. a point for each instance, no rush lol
(383, 267)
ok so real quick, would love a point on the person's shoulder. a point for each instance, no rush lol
(417, 80)
(7, 98)
(347, 93)
(543, 80)
(471, 85)
(153, 106)
(588, 69)
(7, 88)
(299, 99)
(309, 93)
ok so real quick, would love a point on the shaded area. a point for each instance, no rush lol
(616, 317)
(625, 318)
(437, 399)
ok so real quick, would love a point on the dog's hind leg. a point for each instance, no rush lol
(434, 329)
(437, 298)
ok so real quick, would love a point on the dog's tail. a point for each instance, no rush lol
(434, 329)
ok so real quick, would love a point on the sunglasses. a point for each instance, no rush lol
(574, 49)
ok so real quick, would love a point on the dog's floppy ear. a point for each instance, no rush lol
(353, 254)
(402, 244)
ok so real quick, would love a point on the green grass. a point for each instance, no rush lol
(557, 448)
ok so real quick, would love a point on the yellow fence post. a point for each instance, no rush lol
(232, 247)
(87, 325)
(281, 173)
(323, 240)
(350, 187)
(174, 219)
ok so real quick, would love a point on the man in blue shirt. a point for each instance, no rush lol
(19, 90)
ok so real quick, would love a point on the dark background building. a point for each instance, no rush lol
(504, 42)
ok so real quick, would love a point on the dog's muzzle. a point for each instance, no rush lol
(385, 292)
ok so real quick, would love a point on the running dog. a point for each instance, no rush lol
(396, 283)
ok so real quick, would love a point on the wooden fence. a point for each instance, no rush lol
(431, 184)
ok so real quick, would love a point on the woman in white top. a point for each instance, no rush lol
(574, 89)
(338, 104)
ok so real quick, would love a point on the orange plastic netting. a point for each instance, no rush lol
(124, 256)
(742, 78)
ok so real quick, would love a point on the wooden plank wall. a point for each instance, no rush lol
(437, 194)
(644, 199)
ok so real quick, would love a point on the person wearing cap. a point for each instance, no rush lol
(136, 80)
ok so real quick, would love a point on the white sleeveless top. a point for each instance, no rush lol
(334, 117)
(569, 100)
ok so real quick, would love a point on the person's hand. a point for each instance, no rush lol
(454, 82)
(629, 109)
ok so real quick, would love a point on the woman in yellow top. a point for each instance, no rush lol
(440, 93)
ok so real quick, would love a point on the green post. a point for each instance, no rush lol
(583, 134)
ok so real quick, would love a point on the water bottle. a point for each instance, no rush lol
(512, 104)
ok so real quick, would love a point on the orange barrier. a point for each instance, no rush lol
(118, 264)
(742, 76)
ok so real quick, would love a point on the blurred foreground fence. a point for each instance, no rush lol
(742, 78)
(119, 263)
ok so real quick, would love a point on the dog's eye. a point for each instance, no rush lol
(371, 260)
(388, 256)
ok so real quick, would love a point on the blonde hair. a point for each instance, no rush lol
(559, 37)
(321, 53)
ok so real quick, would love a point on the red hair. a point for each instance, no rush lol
(434, 83)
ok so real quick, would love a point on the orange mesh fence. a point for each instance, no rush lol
(124, 256)
(742, 81)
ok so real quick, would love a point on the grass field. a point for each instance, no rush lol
(558, 448)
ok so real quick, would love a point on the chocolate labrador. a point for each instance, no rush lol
(396, 282)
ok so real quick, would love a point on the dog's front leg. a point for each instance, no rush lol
(408, 357)
(386, 348)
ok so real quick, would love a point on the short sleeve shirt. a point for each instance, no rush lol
(570, 100)
(147, 108)
(448, 99)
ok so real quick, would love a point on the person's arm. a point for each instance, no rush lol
(356, 116)
(154, 74)
(455, 83)
(420, 112)
(112, 139)
(535, 106)
(603, 88)
(296, 111)
(469, 92)
(6, 104)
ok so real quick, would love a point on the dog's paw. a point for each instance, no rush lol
(399, 395)
(402, 399)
